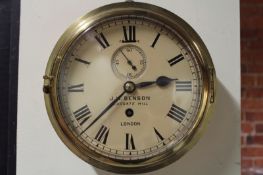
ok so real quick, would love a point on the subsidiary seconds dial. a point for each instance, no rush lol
(128, 62)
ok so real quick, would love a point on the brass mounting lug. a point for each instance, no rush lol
(47, 83)
(212, 84)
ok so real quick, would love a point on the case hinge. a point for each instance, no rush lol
(212, 85)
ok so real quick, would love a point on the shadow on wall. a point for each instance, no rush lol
(218, 151)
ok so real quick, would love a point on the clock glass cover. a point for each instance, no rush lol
(127, 90)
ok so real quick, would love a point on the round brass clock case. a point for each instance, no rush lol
(130, 61)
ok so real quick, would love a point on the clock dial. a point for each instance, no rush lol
(129, 87)
(141, 118)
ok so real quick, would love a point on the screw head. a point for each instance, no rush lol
(46, 89)
(129, 87)
(129, 112)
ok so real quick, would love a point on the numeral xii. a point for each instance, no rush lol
(129, 34)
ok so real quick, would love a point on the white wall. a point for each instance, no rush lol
(40, 151)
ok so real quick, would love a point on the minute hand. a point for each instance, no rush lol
(104, 111)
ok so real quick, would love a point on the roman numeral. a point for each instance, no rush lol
(102, 134)
(177, 113)
(176, 60)
(129, 142)
(183, 85)
(129, 36)
(155, 40)
(158, 135)
(82, 114)
(102, 40)
(76, 88)
(82, 61)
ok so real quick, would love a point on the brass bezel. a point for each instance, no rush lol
(84, 23)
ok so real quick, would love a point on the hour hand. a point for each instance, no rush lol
(161, 81)
(164, 81)
(145, 84)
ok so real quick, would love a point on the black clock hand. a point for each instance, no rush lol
(104, 111)
(145, 84)
(161, 81)
(129, 61)
(164, 81)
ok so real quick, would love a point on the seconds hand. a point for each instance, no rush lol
(104, 111)
(130, 87)
(129, 61)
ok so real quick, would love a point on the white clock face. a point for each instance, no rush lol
(150, 119)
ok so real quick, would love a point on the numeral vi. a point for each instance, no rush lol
(129, 142)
